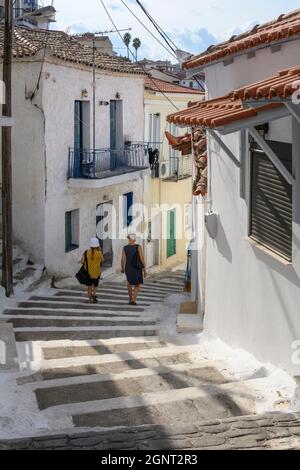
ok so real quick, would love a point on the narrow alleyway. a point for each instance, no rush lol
(95, 368)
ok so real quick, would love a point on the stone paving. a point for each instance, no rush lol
(120, 377)
(273, 431)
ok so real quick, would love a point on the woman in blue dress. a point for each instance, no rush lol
(133, 265)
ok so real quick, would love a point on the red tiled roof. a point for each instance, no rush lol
(282, 85)
(217, 112)
(28, 42)
(284, 27)
(160, 85)
(226, 109)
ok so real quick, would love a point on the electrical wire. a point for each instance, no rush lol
(166, 38)
(140, 65)
(147, 29)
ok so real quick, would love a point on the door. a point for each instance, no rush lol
(171, 230)
(116, 133)
(104, 231)
(78, 138)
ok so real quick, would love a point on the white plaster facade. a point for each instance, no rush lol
(42, 135)
(250, 296)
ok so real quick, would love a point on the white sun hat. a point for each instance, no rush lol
(94, 243)
(132, 236)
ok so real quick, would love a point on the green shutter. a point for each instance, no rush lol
(171, 230)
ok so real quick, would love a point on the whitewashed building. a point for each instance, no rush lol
(248, 262)
(71, 160)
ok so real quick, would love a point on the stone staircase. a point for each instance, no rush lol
(113, 365)
(25, 273)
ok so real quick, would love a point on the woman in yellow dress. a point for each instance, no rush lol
(94, 261)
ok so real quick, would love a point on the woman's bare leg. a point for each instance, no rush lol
(90, 293)
(136, 293)
(129, 288)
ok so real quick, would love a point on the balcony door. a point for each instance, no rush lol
(116, 133)
(78, 138)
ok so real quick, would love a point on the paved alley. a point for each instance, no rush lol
(113, 366)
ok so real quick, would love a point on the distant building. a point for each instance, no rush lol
(165, 70)
(29, 13)
(102, 43)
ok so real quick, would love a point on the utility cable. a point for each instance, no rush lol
(139, 64)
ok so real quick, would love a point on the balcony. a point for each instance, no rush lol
(180, 168)
(101, 165)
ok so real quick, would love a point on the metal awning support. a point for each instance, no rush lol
(294, 110)
(272, 155)
(224, 147)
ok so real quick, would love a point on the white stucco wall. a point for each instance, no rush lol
(28, 161)
(62, 86)
(252, 297)
(222, 79)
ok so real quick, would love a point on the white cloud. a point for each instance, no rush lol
(193, 25)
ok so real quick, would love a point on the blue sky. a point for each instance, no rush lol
(192, 24)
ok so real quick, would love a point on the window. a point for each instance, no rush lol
(127, 207)
(191, 84)
(71, 231)
(154, 131)
(271, 200)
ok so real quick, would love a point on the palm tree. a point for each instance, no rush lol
(127, 41)
(136, 44)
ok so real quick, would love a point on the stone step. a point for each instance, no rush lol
(39, 321)
(74, 306)
(132, 383)
(114, 363)
(81, 333)
(205, 402)
(107, 296)
(158, 286)
(62, 352)
(146, 287)
(68, 313)
(83, 300)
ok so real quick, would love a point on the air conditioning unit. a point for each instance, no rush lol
(164, 170)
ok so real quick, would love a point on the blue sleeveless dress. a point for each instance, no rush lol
(134, 275)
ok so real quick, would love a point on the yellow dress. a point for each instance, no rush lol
(94, 263)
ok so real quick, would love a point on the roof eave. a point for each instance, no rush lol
(201, 68)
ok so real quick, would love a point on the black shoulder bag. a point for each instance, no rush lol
(83, 276)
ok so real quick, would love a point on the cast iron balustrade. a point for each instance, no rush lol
(104, 163)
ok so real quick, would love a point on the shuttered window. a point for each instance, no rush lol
(271, 200)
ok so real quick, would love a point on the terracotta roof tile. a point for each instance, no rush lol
(27, 42)
(218, 112)
(282, 85)
(232, 107)
(284, 27)
(167, 87)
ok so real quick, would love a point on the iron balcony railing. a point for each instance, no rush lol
(181, 167)
(101, 163)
